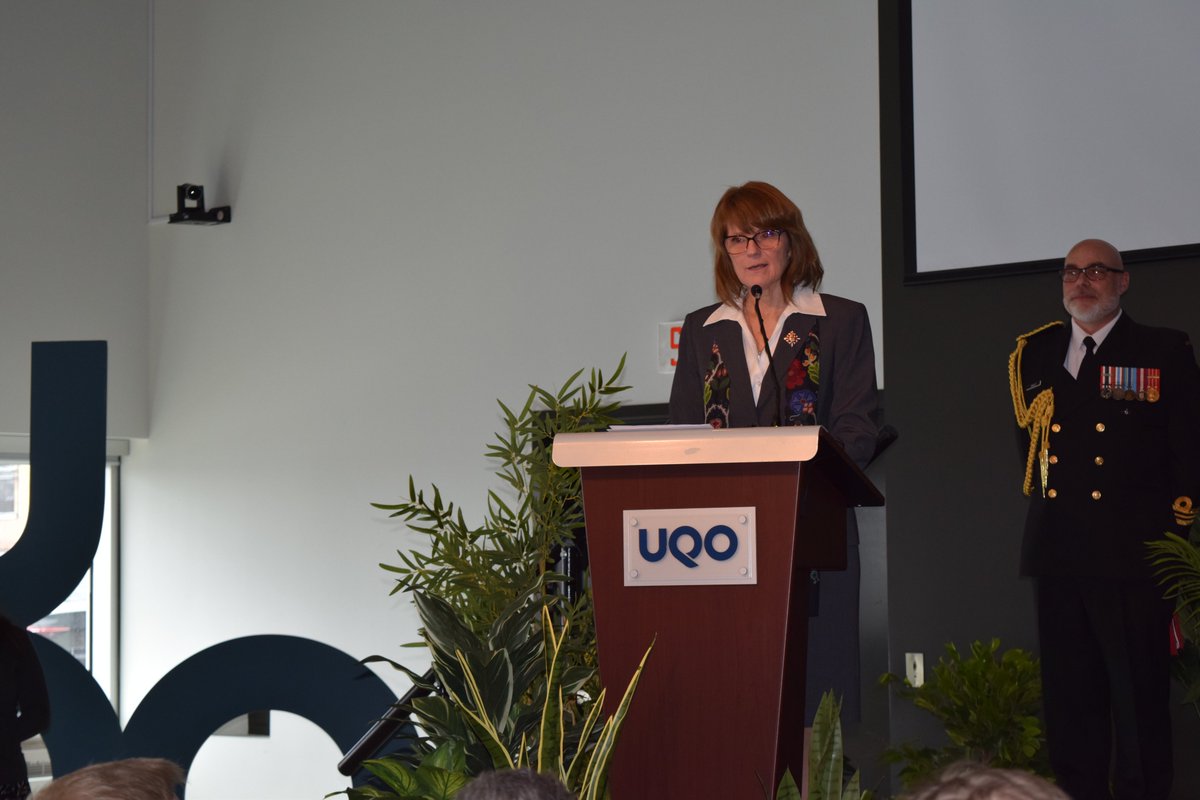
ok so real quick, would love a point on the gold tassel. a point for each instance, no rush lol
(1035, 417)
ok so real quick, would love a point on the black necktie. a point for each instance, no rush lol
(1087, 367)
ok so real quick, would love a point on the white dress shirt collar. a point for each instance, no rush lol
(804, 301)
(1076, 350)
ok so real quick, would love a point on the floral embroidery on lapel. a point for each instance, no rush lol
(804, 380)
(716, 391)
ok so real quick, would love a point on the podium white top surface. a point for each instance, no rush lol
(646, 446)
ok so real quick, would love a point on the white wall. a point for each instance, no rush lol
(434, 204)
(73, 194)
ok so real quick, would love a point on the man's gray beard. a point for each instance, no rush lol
(1102, 310)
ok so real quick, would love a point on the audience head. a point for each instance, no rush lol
(970, 781)
(514, 784)
(130, 779)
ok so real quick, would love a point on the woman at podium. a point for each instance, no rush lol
(776, 351)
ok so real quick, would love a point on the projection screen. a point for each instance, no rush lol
(1037, 124)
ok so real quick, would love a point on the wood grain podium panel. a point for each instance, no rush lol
(719, 712)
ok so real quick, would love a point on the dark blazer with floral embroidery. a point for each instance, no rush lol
(846, 396)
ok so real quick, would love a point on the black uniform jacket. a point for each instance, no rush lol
(1117, 466)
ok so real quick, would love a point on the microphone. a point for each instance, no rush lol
(756, 292)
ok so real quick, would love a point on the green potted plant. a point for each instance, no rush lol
(1177, 562)
(505, 701)
(514, 661)
(825, 762)
(990, 705)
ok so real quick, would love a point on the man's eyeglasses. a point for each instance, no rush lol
(1096, 272)
(766, 240)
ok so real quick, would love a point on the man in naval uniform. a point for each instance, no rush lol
(1109, 412)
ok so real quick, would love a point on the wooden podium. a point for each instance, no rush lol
(719, 712)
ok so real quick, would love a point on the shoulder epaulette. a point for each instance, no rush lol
(1034, 417)
(1036, 331)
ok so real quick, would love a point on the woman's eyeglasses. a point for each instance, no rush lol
(766, 240)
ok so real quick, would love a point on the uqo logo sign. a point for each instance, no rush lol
(689, 546)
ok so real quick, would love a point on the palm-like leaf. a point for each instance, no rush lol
(1177, 562)
(507, 676)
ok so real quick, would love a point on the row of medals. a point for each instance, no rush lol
(1130, 383)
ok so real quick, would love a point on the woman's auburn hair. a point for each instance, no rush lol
(757, 206)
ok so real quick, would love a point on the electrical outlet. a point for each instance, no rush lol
(914, 668)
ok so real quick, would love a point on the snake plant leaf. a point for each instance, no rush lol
(825, 764)
(489, 691)
(550, 735)
(788, 790)
(825, 753)
(579, 761)
(485, 733)
(595, 778)
(523, 752)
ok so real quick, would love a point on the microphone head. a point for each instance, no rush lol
(756, 290)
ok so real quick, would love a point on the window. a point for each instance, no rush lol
(10, 484)
(84, 624)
